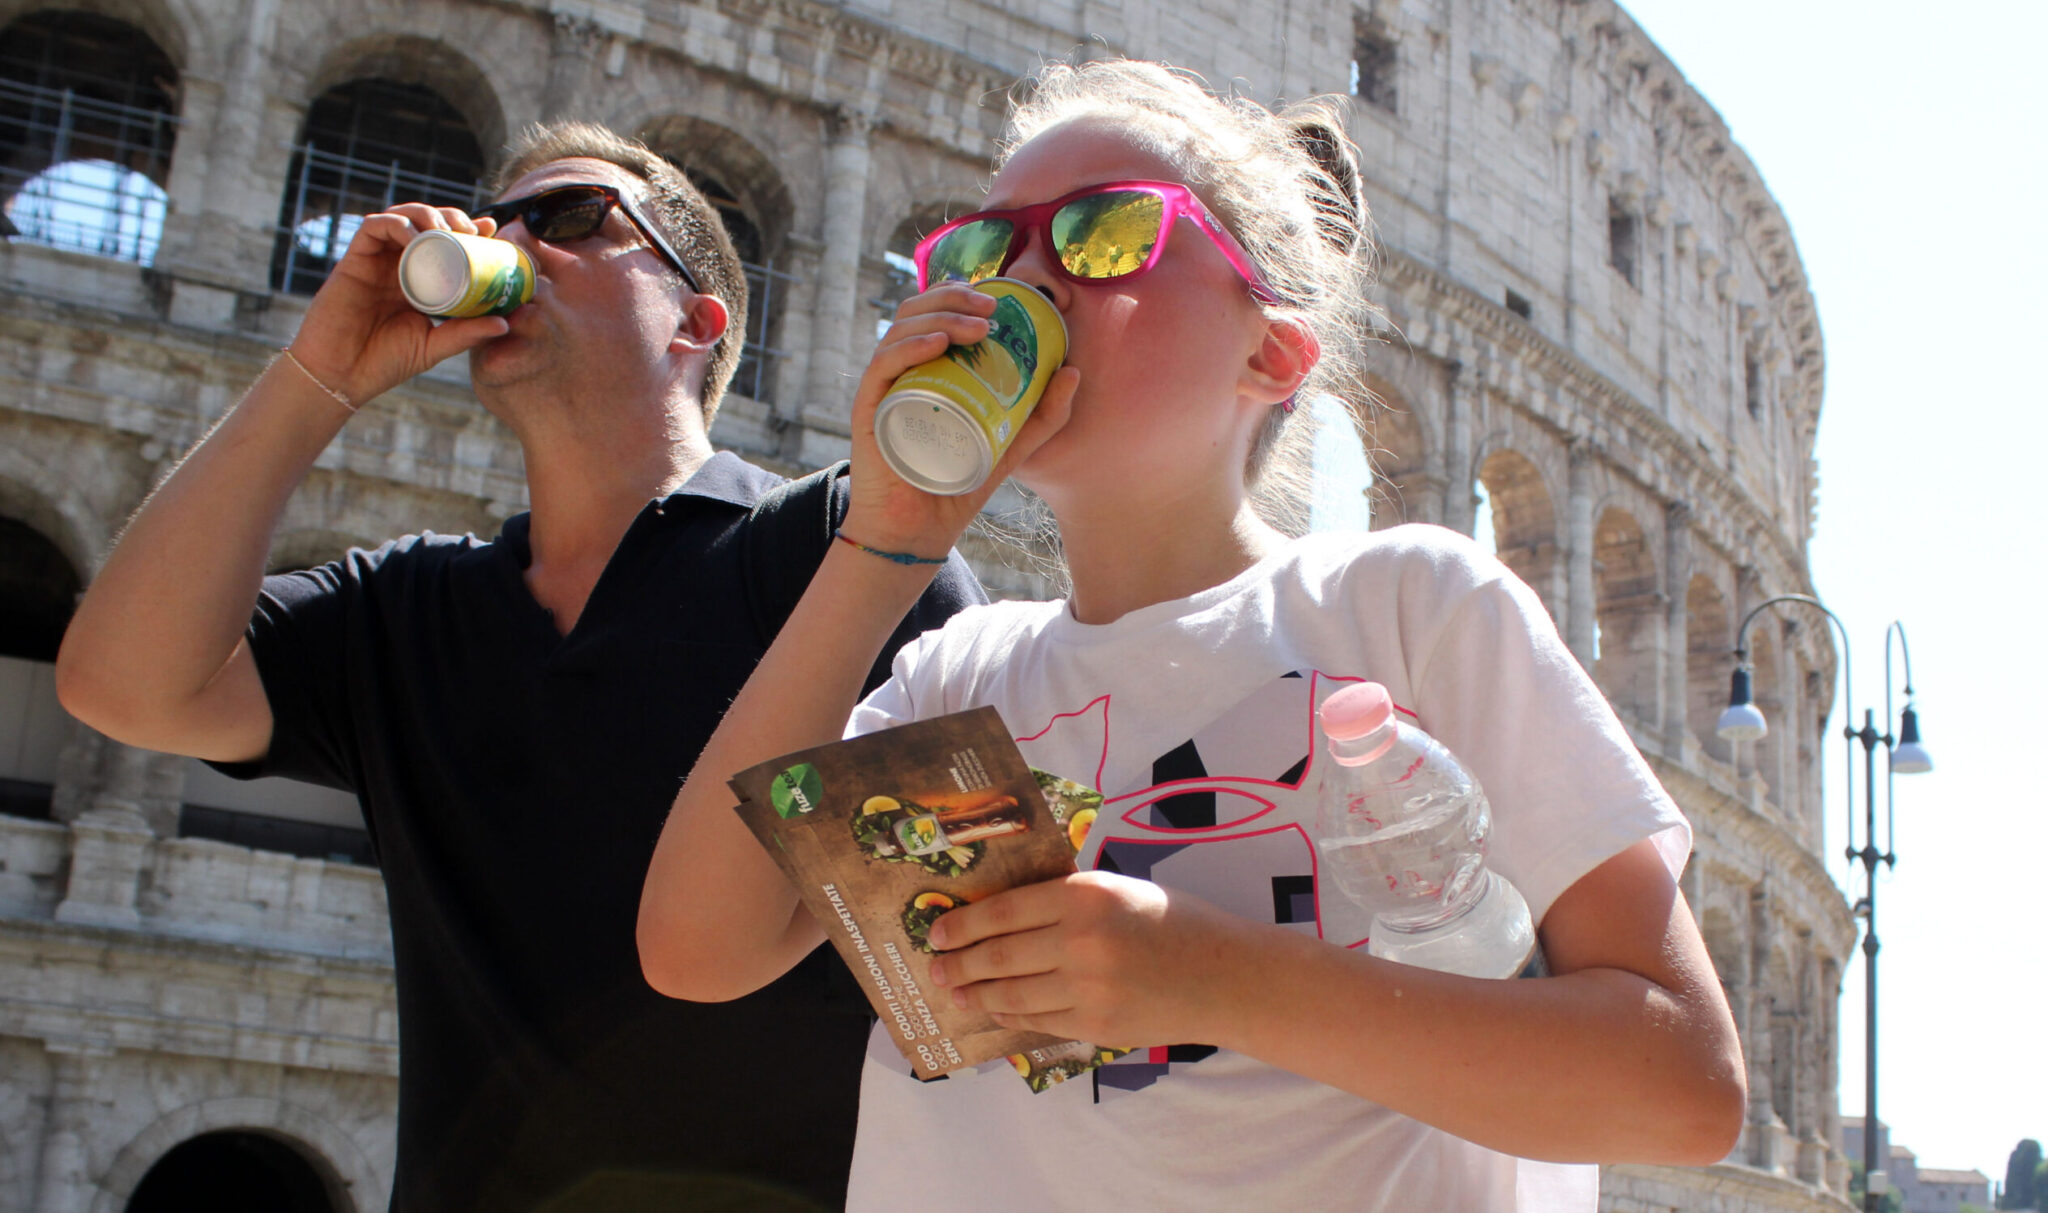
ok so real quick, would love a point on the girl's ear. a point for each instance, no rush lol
(1282, 360)
(704, 321)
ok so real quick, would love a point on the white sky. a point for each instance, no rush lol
(1905, 142)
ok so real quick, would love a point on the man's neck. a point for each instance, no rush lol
(587, 488)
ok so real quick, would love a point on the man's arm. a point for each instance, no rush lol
(154, 656)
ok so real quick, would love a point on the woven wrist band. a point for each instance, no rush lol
(892, 557)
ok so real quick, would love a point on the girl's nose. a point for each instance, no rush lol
(1034, 262)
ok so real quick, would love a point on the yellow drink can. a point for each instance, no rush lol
(946, 422)
(452, 274)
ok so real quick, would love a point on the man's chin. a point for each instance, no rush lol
(503, 361)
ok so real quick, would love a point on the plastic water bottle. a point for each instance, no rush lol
(1401, 826)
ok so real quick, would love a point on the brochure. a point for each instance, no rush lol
(884, 833)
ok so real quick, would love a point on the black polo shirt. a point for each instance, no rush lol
(514, 781)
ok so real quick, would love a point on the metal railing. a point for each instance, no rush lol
(330, 194)
(757, 357)
(88, 174)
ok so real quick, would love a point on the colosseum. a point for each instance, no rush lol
(1601, 349)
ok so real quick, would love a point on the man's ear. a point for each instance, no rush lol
(1284, 357)
(704, 321)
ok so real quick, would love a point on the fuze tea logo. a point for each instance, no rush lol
(797, 790)
(1006, 359)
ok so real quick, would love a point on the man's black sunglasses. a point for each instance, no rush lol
(572, 212)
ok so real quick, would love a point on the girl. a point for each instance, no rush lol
(1180, 678)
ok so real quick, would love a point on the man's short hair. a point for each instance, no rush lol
(689, 222)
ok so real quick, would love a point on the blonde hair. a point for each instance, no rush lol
(1286, 184)
(689, 222)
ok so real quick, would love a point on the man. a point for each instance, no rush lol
(516, 715)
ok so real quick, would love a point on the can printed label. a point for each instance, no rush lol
(453, 274)
(946, 422)
(921, 835)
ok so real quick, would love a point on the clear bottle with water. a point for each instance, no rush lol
(1401, 826)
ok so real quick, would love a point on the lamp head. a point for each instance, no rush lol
(1909, 757)
(1742, 721)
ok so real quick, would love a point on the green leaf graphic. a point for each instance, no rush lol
(797, 790)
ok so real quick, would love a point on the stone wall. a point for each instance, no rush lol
(1596, 318)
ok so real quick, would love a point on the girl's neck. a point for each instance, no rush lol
(1122, 564)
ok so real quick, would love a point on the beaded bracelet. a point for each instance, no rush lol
(294, 360)
(892, 557)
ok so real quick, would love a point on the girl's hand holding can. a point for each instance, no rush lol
(886, 511)
(360, 335)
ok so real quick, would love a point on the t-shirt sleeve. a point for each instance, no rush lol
(298, 637)
(896, 700)
(1495, 683)
(954, 589)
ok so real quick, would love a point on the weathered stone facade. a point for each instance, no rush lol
(1597, 318)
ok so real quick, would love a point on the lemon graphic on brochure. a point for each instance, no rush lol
(1077, 829)
(880, 804)
(926, 901)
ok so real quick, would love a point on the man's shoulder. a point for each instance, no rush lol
(406, 553)
(736, 481)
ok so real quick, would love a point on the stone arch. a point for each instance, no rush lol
(234, 1167)
(38, 588)
(899, 278)
(1723, 934)
(1788, 1035)
(87, 132)
(29, 496)
(427, 63)
(1404, 487)
(1709, 656)
(709, 152)
(1768, 692)
(1524, 521)
(756, 206)
(310, 547)
(167, 23)
(395, 118)
(354, 1183)
(1629, 602)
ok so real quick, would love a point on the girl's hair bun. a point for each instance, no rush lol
(1339, 201)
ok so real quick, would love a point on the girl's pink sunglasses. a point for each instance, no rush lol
(1115, 230)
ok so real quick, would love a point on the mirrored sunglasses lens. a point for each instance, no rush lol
(1107, 235)
(970, 252)
(566, 214)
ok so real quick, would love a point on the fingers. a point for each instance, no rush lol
(453, 337)
(947, 297)
(438, 218)
(1025, 908)
(391, 230)
(1027, 954)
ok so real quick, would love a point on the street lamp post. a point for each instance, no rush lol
(1903, 756)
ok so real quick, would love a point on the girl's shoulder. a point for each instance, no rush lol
(1411, 560)
(1003, 622)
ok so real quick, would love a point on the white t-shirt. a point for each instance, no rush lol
(1196, 719)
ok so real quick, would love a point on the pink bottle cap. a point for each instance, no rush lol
(1356, 710)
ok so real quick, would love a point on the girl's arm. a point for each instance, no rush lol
(717, 917)
(1627, 1054)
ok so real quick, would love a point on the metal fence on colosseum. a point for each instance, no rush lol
(88, 176)
(83, 174)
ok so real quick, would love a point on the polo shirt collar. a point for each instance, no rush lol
(724, 477)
